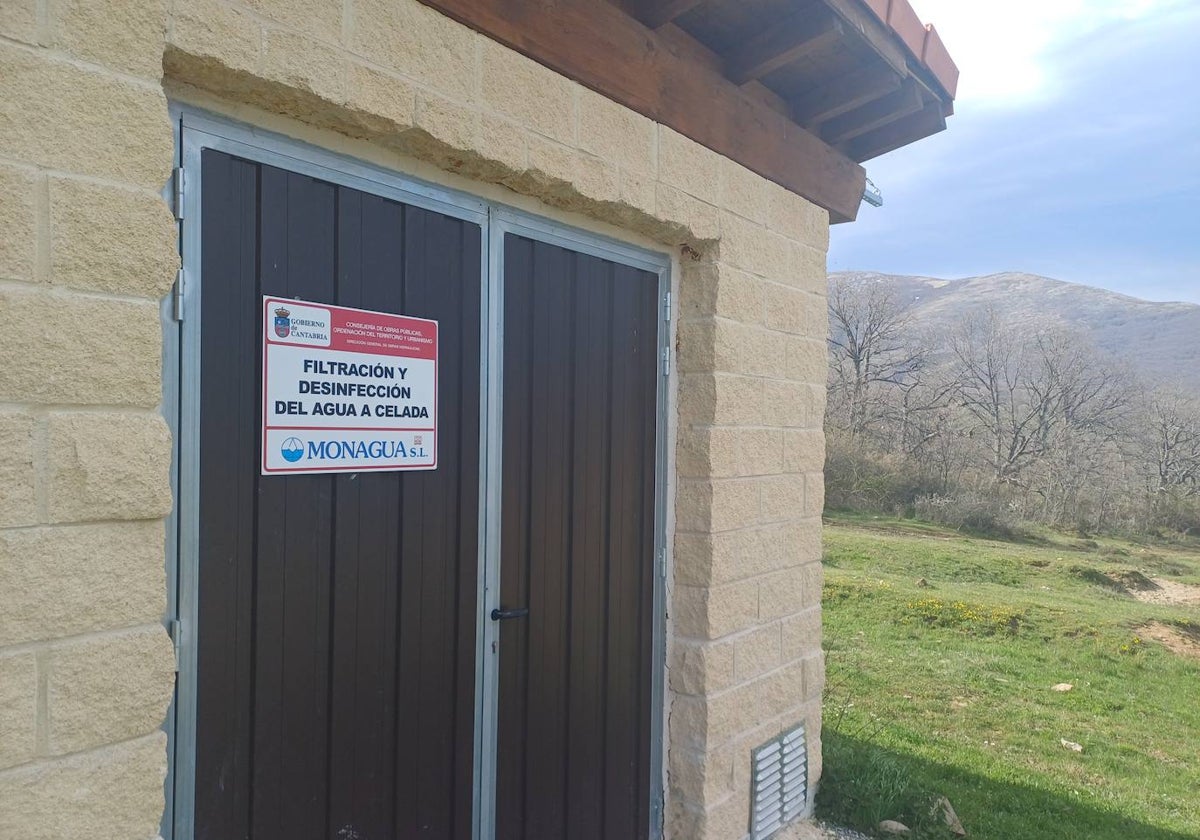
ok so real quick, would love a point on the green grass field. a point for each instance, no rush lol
(942, 653)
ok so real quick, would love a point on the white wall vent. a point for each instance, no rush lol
(778, 783)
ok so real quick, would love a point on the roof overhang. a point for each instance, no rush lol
(799, 91)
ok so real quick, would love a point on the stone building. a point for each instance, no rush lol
(592, 607)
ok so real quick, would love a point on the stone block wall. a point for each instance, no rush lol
(87, 249)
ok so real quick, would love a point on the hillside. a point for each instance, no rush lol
(1162, 340)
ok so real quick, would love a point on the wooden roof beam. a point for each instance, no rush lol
(604, 48)
(865, 118)
(781, 45)
(658, 13)
(844, 94)
(930, 120)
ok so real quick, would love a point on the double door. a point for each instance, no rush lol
(468, 651)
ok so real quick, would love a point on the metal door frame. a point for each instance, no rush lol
(504, 221)
(196, 130)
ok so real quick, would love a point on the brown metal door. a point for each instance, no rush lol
(579, 415)
(337, 614)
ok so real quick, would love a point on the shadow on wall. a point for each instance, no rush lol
(864, 783)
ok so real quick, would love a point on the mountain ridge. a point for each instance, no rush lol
(1160, 339)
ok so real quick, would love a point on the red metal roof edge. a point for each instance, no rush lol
(923, 41)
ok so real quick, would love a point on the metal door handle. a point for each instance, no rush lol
(505, 615)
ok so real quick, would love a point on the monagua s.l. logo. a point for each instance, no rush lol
(292, 448)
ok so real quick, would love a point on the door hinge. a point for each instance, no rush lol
(667, 307)
(177, 295)
(177, 184)
(174, 630)
(666, 361)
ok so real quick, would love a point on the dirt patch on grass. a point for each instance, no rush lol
(1180, 640)
(1168, 592)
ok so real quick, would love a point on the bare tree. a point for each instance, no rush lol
(871, 347)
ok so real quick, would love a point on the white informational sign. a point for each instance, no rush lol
(347, 390)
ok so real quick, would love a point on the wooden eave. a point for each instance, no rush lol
(799, 91)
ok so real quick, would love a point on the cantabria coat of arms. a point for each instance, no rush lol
(283, 322)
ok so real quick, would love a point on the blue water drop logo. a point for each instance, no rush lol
(292, 450)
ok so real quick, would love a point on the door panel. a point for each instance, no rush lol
(577, 534)
(337, 614)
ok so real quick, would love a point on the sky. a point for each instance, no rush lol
(1074, 152)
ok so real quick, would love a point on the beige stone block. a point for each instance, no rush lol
(502, 142)
(688, 724)
(62, 116)
(696, 342)
(110, 794)
(782, 497)
(18, 484)
(746, 193)
(595, 179)
(65, 581)
(319, 18)
(723, 452)
(700, 667)
(215, 32)
(722, 291)
(698, 775)
(760, 451)
(686, 165)
(127, 35)
(727, 556)
(791, 543)
(423, 44)
(63, 348)
(109, 688)
(692, 558)
(699, 218)
(112, 240)
(757, 651)
(638, 191)
(796, 311)
(805, 268)
(706, 452)
(18, 20)
(706, 397)
(802, 634)
(716, 505)
(447, 123)
(716, 611)
(617, 134)
(746, 348)
(729, 818)
(807, 360)
(304, 64)
(524, 91)
(18, 223)
(803, 450)
(798, 218)
(382, 103)
(18, 708)
(782, 593)
(814, 494)
(105, 465)
(789, 405)
(814, 581)
(754, 248)
(551, 161)
(814, 675)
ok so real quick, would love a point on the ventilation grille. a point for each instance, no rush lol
(779, 783)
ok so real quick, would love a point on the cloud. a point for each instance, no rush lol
(1007, 52)
(1092, 175)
